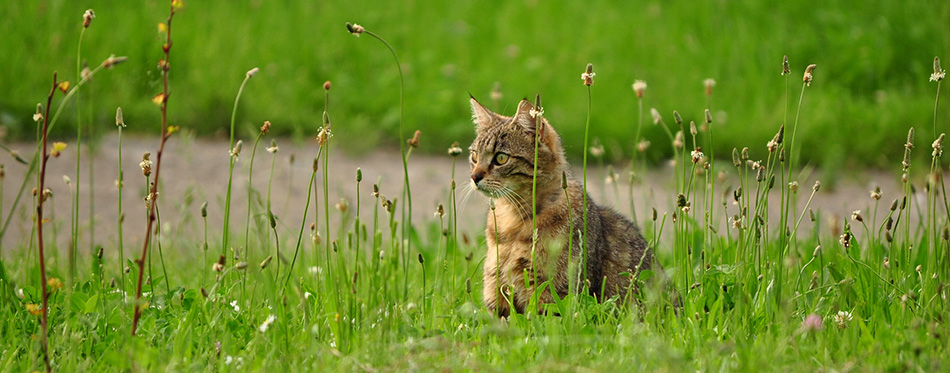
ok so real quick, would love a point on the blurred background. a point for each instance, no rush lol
(874, 60)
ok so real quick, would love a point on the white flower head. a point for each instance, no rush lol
(842, 318)
(656, 115)
(235, 305)
(267, 322)
(639, 87)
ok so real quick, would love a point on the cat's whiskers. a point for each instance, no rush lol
(516, 200)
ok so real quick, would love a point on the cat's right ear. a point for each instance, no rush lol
(482, 117)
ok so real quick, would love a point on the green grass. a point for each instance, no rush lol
(751, 298)
(873, 62)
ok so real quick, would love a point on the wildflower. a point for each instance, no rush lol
(597, 150)
(536, 112)
(63, 86)
(643, 145)
(709, 84)
(938, 145)
(241, 265)
(812, 323)
(439, 211)
(588, 75)
(267, 322)
(237, 149)
(34, 309)
(38, 117)
(119, 120)
(876, 193)
(250, 73)
(265, 128)
(807, 77)
(219, 265)
(306, 295)
(355, 29)
(343, 206)
(54, 284)
(234, 304)
(67, 180)
(324, 135)
(842, 318)
(678, 141)
(87, 17)
(414, 141)
(656, 115)
(856, 215)
(887, 262)
(939, 73)
(58, 148)
(785, 68)
(146, 164)
(697, 155)
(639, 87)
(113, 60)
(793, 186)
(273, 147)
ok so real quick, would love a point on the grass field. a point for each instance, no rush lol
(760, 285)
(873, 61)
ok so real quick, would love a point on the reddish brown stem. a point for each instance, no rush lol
(137, 313)
(40, 197)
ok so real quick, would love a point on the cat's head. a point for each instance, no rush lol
(503, 153)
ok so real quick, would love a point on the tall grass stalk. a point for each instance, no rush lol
(40, 198)
(120, 123)
(234, 151)
(162, 101)
(250, 193)
(538, 129)
(74, 233)
(588, 77)
(303, 223)
(407, 192)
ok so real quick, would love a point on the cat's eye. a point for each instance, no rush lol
(474, 158)
(501, 158)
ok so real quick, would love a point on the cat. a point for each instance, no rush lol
(503, 162)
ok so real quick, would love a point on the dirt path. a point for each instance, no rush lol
(196, 171)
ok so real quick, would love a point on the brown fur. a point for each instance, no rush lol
(614, 245)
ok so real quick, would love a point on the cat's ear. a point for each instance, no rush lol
(526, 117)
(482, 117)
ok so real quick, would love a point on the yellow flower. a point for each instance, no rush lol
(54, 284)
(58, 148)
(34, 309)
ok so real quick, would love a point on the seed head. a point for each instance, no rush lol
(876, 193)
(414, 141)
(564, 180)
(326, 86)
(793, 186)
(817, 185)
(237, 149)
(87, 17)
(677, 118)
(146, 164)
(856, 216)
(639, 87)
(355, 29)
(735, 157)
(938, 145)
(422, 260)
(496, 94)
(656, 115)
(250, 73)
(204, 209)
(708, 117)
(692, 128)
(697, 155)
(241, 265)
(709, 84)
(643, 145)
(807, 77)
(113, 60)
(785, 68)
(588, 75)
(323, 136)
(119, 120)
(38, 116)
(678, 141)
(455, 150)
(266, 261)
(265, 128)
(938, 74)
(745, 153)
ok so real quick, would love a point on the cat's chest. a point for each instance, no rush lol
(512, 235)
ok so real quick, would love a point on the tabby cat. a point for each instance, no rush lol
(503, 162)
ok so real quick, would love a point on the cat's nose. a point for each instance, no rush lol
(477, 176)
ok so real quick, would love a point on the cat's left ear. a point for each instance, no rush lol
(483, 117)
